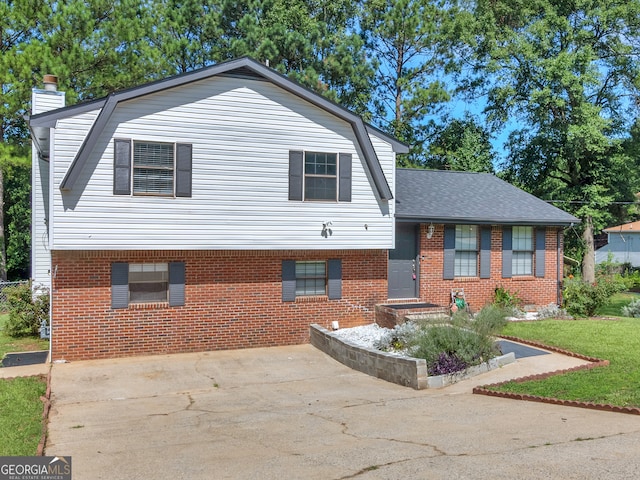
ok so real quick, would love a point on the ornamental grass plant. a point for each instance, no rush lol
(449, 345)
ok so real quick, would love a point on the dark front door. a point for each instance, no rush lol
(403, 263)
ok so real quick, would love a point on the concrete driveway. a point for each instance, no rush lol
(294, 413)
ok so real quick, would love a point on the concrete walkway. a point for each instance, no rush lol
(294, 413)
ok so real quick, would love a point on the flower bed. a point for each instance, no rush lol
(354, 348)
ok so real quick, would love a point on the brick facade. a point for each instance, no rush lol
(480, 291)
(233, 299)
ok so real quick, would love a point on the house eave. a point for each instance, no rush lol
(486, 221)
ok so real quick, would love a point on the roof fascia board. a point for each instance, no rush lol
(88, 144)
(48, 119)
(278, 79)
(396, 144)
(474, 221)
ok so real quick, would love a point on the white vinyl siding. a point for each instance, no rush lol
(241, 132)
(46, 100)
(42, 101)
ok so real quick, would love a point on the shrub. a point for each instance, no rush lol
(489, 321)
(505, 299)
(551, 311)
(398, 338)
(632, 310)
(582, 299)
(462, 343)
(25, 312)
(468, 347)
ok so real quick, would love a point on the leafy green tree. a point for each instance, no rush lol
(184, 34)
(461, 144)
(568, 73)
(314, 43)
(17, 213)
(20, 46)
(412, 40)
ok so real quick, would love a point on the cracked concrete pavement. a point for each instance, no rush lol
(294, 413)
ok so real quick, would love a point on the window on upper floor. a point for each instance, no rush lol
(152, 168)
(319, 176)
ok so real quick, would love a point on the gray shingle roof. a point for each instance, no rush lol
(444, 196)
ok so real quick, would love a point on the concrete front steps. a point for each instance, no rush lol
(389, 315)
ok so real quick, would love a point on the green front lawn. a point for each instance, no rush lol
(616, 340)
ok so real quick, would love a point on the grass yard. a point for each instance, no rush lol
(619, 300)
(27, 344)
(21, 419)
(616, 340)
(20, 404)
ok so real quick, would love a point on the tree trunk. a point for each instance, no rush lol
(588, 260)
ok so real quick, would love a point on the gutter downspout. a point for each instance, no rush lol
(559, 259)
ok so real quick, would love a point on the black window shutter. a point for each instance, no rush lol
(121, 167)
(119, 285)
(485, 252)
(183, 169)
(288, 280)
(296, 167)
(334, 287)
(176, 284)
(344, 185)
(449, 252)
(507, 250)
(540, 251)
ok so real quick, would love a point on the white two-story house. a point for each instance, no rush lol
(224, 208)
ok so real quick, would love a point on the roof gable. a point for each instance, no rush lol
(244, 67)
(446, 196)
(632, 227)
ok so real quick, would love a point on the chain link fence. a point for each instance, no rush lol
(3, 297)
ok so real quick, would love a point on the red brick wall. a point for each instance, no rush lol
(233, 299)
(532, 290)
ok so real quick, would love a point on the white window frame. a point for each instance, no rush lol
(151, 167)
(522, 251)
(466, 251)
(310, 279)
(156, 274)
(315, 175)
